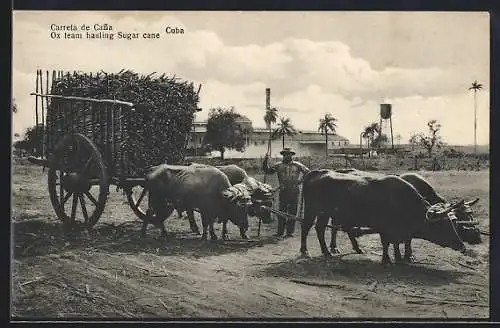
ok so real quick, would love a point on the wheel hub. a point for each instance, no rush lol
(75, 182)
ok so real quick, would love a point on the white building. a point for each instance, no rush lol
(304, 143)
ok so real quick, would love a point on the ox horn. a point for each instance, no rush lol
(472, 202)
(447, 209)
(467, 222)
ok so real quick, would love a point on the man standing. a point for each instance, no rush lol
(288, 172)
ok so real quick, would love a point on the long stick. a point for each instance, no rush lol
(265, 176)
(111, 101)
(42, 101)
(475, 123)
(36, 114)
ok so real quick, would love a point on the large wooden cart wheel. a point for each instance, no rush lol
(138, 199)
(78, 182)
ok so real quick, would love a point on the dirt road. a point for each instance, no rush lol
(113, 273)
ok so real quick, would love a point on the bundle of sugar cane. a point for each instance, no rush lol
(128, 138)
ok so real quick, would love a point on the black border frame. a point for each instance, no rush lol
(360, 5)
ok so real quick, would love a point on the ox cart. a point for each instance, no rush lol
(91, 143)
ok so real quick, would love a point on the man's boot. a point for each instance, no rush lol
(290, 227)
(281, 227)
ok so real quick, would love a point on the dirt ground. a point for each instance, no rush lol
(113, 273)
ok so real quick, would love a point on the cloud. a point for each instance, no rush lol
(307, 77)
(306, 107)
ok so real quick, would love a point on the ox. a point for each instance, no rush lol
(463, 212)
(235, 175)
(192, 187)
(389, 205)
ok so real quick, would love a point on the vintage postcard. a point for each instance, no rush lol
(250, 164)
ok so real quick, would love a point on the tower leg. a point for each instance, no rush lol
(381, 131)
(392, 138)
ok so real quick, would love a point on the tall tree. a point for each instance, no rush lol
(327, 124)
(475, 87)
(270, 118)
(370, 134)
(432, 139)
(413, 141)
(224, 131)
(285, 128)
(32, 141)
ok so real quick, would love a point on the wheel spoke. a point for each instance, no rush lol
(143, 193)
(65, 199)
(61, 189)
(84, 208)
(73, 207)
(87, 165)
(76, 167)
(92, 199)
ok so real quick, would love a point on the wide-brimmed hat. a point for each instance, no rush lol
(287, 151)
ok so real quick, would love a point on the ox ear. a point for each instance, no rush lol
(472, 202)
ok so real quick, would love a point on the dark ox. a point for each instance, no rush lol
(192, 187)
(463, 211)
(389, 205)
(235, 175)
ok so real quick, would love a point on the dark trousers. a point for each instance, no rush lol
(288, 201)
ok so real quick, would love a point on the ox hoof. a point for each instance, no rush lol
(305, 255)
(335, 250)
(213, 238)
(244, 236)
(203, 237)
(327, 254)
(225, 236)
(409, 259)
(386, 263)
(359, 251)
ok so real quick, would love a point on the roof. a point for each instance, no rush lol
(311, 141)
(200, 127)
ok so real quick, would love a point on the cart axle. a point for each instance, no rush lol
(76, 183)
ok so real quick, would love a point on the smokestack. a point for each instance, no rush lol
(268, 98)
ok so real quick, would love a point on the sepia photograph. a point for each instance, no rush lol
(253, 165)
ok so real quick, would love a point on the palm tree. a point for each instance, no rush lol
(475, 87)
(369, 134)
(327, 124)
(285, 128)
(270, 118)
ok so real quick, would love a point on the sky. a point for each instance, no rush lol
(342, 63)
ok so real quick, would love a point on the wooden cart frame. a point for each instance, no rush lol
(87, 170)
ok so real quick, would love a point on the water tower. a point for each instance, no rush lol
(386, 121)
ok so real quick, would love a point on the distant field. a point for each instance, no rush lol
(381, 162)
